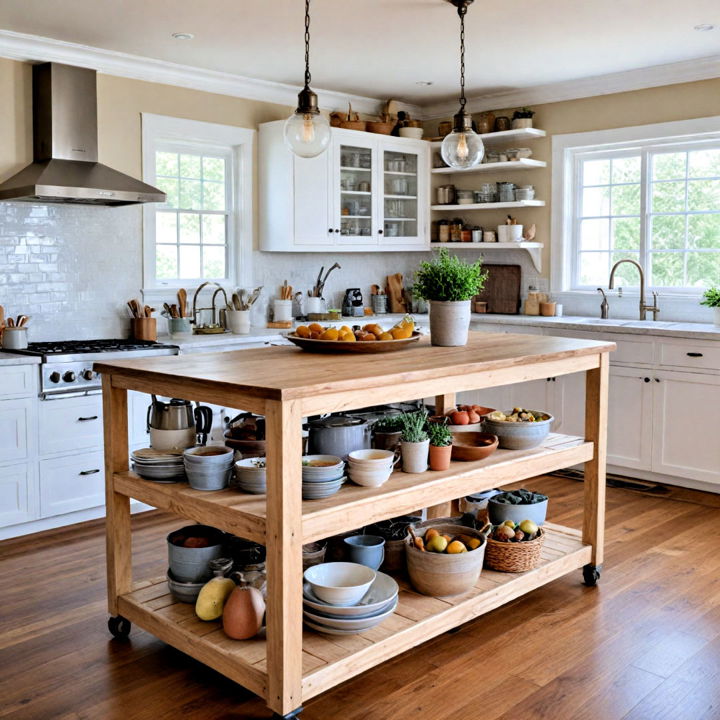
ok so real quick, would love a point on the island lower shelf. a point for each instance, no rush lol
(355, 506)
(326, 658)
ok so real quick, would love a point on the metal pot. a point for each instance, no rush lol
(179, 414)
(338, 435)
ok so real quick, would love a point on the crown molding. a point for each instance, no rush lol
(706, 68)
(34, 48)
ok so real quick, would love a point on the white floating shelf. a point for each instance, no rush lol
(522, 164)
(505, 137)
(355, 192)
(400, 197)
(490, 206)
(534, 249)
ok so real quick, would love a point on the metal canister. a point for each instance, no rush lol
(446, 195)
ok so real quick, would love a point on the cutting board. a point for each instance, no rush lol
(502, 289)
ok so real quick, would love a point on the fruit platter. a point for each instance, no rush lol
(370, 338)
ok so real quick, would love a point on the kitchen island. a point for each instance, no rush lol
(288, 666)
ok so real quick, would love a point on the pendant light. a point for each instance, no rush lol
(462, 148)
(307, 131)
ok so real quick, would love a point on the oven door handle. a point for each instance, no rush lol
(89, 472)
(87, 419)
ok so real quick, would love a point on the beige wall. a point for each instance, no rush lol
(640, 107)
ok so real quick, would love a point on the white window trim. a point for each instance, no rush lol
(157, 129)
(564, 150)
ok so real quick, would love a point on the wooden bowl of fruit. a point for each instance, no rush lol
(464, 418)
(468, 446)
(370, 338)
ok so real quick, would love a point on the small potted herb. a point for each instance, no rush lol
(711, 298)
(522, 118)
(387, 432)
(440, 445)
(415, 442)
(449, 283)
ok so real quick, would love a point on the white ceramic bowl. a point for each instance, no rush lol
(370, 478)
(381, 593)
(411, 132)
(371, 457)
(340, 583)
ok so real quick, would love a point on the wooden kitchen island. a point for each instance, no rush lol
(288, 665)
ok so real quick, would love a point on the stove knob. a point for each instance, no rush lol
(69, 376)
(55, 377)
(88, 374)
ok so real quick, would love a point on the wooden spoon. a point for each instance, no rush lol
(182, 301)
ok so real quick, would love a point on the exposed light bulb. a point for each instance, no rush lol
(308, 131)
(462, 148)
(307, 134)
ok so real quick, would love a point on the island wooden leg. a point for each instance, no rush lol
(596, 419)
(443, 403)
(117, 507)
(284, 556)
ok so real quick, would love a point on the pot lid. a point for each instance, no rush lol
(337, 421)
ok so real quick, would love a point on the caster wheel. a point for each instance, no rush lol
(290, 716)
(119, 627)
(591, 574)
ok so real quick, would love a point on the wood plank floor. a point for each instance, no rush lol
(643, 645)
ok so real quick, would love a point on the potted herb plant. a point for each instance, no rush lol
(449, 283)
(387, 432)
(711, 298)
(522, 118)
(415, 442)
(440, 445)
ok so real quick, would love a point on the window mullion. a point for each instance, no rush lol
(645, 205)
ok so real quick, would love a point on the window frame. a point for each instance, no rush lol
(568, 153)
(161, 132)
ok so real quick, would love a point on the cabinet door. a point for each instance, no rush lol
(630, 418)
(71, 483)
(16, 429)
(69, 424)
(686, 417)
(18, 494)
(18, 381)
(404, 187)
(312, 209)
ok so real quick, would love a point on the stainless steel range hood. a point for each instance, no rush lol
(65, 150)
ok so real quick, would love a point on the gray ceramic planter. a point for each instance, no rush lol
(449, 322)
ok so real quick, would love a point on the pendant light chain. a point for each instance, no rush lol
(307, 43)
(462, 9)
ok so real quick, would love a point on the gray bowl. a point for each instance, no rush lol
(500, 512)
(519, 435)
(190, 565)
(215, 478)
(319, 490)
(185, 592)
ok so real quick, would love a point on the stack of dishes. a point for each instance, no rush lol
(164, 466)
(330, 587)
(322, 476)
(208, 468)
(371, 468)
(250, 476)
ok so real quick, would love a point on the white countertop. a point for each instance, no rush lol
(9, 358)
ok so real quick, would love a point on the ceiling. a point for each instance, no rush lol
(384, 48)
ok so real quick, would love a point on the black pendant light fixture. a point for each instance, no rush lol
(462, 148)
(307, 131)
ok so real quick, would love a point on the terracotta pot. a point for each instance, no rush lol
(440, 457)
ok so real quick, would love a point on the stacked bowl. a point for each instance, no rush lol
(322, 476)
(250, 476)
(371, 468)
(346, 598)
(163, 466)
(208, 468)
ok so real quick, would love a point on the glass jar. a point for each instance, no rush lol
(506, 192)
(466, 234)
(524, 192)
(456, 227)
(443, 231)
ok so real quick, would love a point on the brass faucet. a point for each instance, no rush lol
(216, 320)
(644, 309)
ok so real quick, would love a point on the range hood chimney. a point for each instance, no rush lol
(65, 148)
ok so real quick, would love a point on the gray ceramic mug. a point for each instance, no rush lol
(367, 550)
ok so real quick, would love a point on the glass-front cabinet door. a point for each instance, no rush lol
(403, 203)
(355, 210)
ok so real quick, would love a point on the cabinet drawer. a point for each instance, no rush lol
(70, 424)
(71, 483)
(16, 428)
(18, 381)
(690, 355)
(18, 494)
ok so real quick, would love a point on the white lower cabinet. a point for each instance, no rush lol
(70, 424)
(686, 418)
(72, 483)
(16, 428)
(18, 493)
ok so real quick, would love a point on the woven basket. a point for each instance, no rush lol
(514, 557)
(353, 124)
(381, 128)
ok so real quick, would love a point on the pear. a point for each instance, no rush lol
(528, 527)
(437, 544)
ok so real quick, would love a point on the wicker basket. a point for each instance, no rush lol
(381, 128)
(353, 124)
(514, 557)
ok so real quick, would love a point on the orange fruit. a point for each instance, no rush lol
(374, 328)
(367, 337)
(315, 335)
(345, 329)
(431, 533)
(348, 337)
(330, 334)
(385, 336)
(302, 331)
(315, 327)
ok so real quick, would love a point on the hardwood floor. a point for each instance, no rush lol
(643, 645)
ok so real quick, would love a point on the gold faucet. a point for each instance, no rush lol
(644, 309)
(217, 325)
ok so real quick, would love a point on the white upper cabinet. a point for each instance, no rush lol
(367, 192)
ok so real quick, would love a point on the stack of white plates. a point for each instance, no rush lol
(322, 476)
(250, 476)
(165, 466)
(378, 603)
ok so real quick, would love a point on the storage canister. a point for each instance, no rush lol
(524, 192)
(443, 231)
(477, 234)
(506, 192)
(456, 226)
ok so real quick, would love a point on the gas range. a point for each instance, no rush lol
(67, 365)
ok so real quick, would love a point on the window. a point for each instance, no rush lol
(204, 229)
(655, 201)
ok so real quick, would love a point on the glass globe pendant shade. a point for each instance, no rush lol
(462, 148)
(307, 134)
